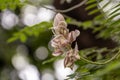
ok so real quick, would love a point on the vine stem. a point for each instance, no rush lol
(74, 22)
(100, 63)
(66, 10)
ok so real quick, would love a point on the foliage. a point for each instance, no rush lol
(30, 31)
(10, 4)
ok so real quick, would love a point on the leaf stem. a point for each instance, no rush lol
(100, 63)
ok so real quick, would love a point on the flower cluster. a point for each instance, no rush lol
(62, 41)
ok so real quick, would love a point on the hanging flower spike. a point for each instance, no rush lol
(62, 41)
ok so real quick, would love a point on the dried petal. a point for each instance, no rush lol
(61, 28)
(57, 19)
(77, 33)
(59, 41)
(68, 62)
(76, 55)
(57, 52)
(73, 35)
(54, 44)
(71, 56)
(55, 41)
(62, 24)
(70, 53)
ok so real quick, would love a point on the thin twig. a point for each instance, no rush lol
(66, 10)
(100, 63)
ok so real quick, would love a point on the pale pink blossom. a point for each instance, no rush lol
(62, 41)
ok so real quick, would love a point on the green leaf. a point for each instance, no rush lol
(115, 11)
(51, 60)
(87, 24)
(106, 33)
(31, 31)
(91, 6)
(9, 4)
(93, 12)
(23, 37)
(106, 4)
(112, 66)
(12, 39)
(90, 1)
